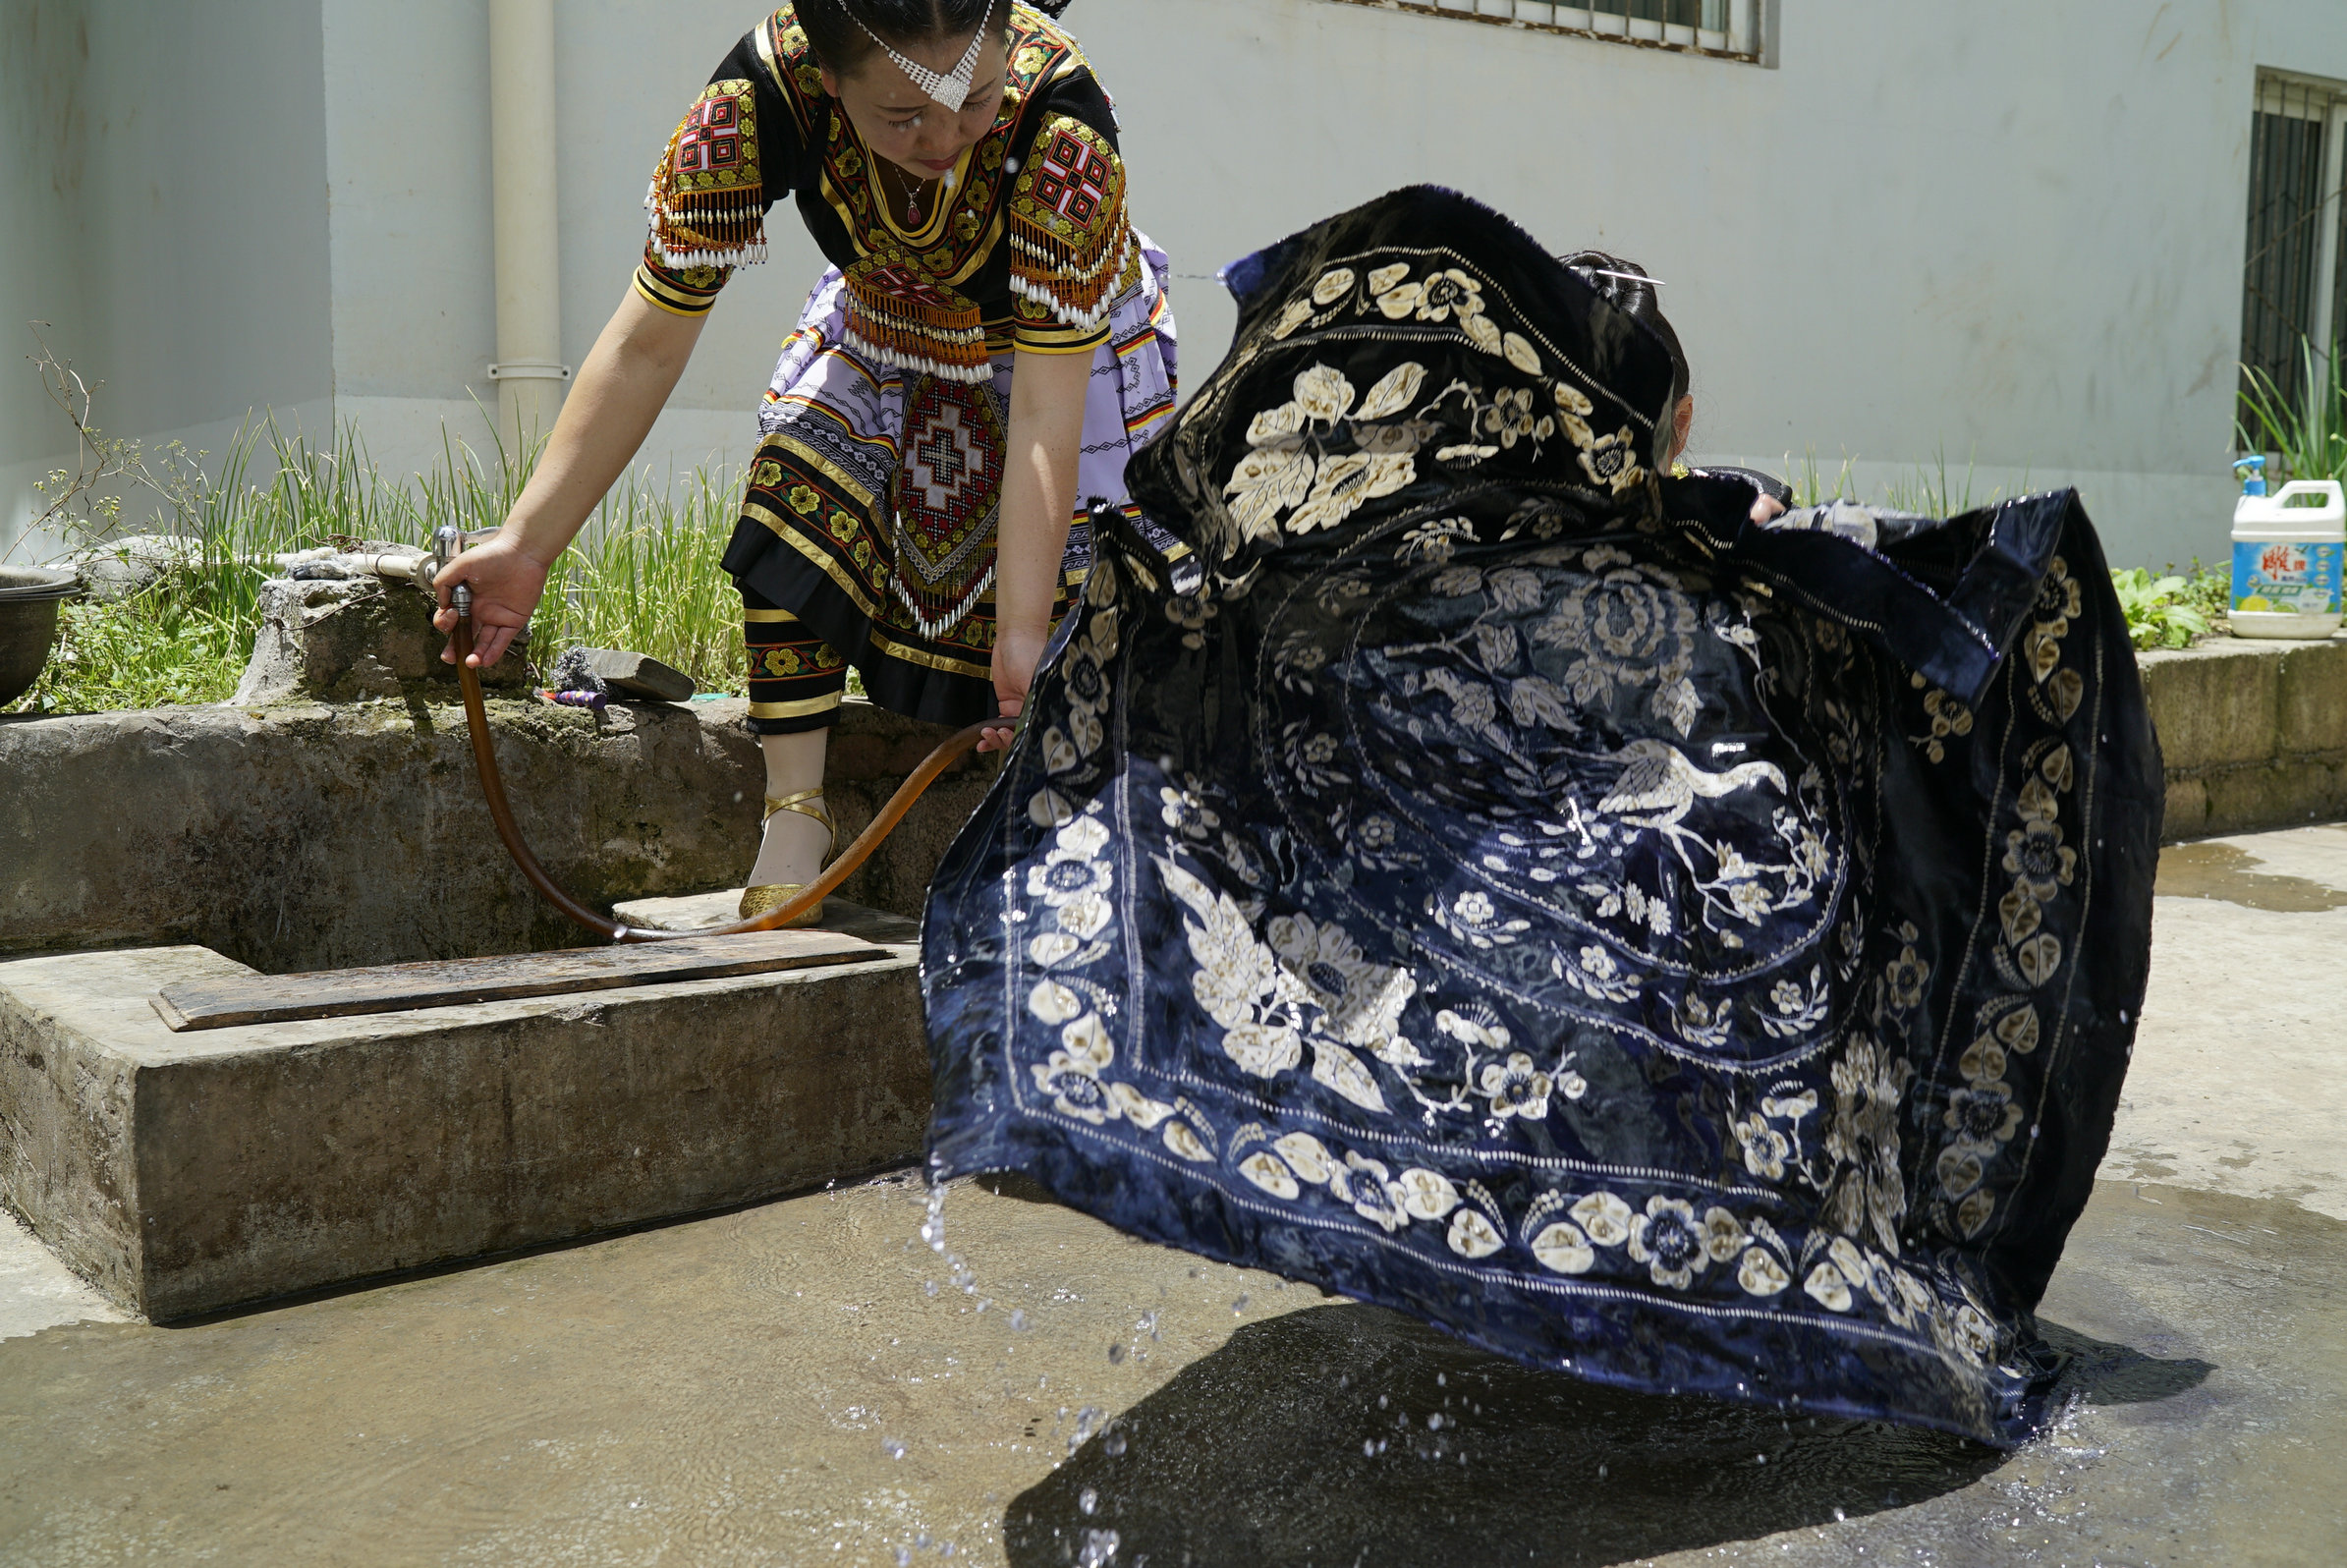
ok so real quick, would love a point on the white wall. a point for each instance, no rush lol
(44, 160)
(165, 185)
(414, 298)
(2009, 232)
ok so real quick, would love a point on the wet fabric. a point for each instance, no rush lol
(1500, 882)
(872, 504)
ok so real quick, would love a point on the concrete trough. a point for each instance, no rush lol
(184, 1173)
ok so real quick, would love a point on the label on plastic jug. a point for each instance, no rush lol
(2286, 578)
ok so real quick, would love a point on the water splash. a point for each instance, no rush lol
(1100, 1548)
(893, 1447)
(932, 1233)
(1088, 1421)
(933, 1223)
(1088, 1503)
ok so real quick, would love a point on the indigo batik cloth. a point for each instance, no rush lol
(1496, 882)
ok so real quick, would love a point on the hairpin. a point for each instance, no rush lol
(1630, 277)
(953, 91)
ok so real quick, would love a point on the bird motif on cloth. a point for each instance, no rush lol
(1664, 784)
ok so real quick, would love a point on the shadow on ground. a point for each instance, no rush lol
(1349, 1433)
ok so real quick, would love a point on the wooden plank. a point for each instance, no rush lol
(457, 983)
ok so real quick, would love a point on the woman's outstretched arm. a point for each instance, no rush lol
(1039, 501)
(620, 391)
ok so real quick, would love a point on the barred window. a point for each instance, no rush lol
(1732, 28)
(2294, 289)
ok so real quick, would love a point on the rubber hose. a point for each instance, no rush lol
(492, 786)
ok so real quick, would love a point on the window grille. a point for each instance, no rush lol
(2294, 288)
(1733, 29)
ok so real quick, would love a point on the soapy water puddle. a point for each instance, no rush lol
(2220, 871)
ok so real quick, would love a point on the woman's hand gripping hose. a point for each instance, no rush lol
(458, 614)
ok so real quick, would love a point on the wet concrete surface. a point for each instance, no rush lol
(2238, 1083)
(806, 1382)
(2214, 868)
(36, 1291)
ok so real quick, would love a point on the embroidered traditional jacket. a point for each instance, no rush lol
(1025, 251)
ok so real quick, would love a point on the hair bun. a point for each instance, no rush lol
(1622, 283)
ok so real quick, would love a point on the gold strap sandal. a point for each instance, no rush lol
(755, 901)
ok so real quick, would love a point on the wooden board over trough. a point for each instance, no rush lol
(455, 983)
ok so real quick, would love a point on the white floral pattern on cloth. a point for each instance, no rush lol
(1315, 459)
(1468, 895)
(1645, 858)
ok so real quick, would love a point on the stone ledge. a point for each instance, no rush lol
(306, 836)
(2253, 733)
(186, 1173)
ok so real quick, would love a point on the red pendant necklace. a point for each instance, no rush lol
(912, 196)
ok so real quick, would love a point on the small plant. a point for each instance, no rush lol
(2161, 611)
(2210, 593)
(86, 499)
(1809, 486)
(2310, 434)
(1926, 491)
(153, 649)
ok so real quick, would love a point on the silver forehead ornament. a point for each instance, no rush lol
(953, 91)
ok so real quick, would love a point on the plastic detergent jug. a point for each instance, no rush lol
(2287, 559)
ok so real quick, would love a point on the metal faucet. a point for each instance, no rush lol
(448, 542)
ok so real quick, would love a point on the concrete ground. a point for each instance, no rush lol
(806, 1382)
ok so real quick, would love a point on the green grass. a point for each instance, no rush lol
(1928, 490)
(642, 575)
(2308, 435)
(645, 576)
(154, 652)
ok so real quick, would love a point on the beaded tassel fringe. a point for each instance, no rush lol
(708, 229)
(714, 228)
(948, 345)
(1076, 291)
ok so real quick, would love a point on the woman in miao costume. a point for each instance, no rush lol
(991, 342)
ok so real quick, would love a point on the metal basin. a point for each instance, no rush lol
(28, 600)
